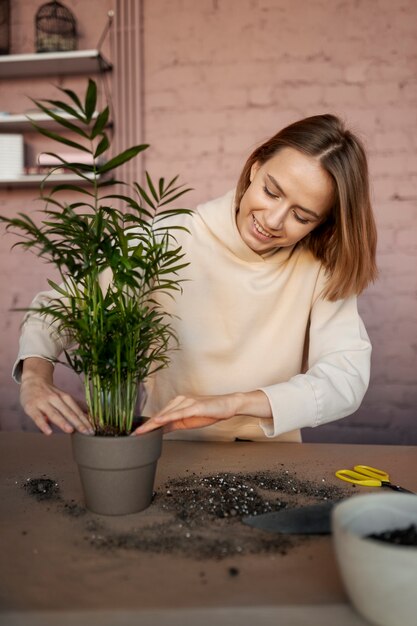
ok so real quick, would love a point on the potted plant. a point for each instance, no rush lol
(113, 262)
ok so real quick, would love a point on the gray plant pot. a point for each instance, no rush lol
(117, 473)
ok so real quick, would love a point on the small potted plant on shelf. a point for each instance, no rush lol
(113, 263)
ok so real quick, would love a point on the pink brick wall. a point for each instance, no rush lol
(234, 71)
(220, 77)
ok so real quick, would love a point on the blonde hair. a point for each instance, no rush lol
(346, 241)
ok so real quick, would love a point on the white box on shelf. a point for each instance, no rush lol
(11, 156)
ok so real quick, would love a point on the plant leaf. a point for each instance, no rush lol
(58, 288)
(121, 158)
(59, 138)
(69, 187)
(152, 188)
(109, 182)
(90, 100)
(144, 195)
(100, 123)
(72, 165)
(172, 182)
(175, 197)
(76, 112)
(73, 96)
(62, 121)
(103, 145)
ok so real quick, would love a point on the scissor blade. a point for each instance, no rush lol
(397, 488)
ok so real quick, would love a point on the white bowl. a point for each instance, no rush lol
(380, 578)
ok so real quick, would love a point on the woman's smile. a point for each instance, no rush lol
(259, 230)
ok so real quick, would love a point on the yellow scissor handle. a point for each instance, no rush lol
(351, 476)
(372, 472)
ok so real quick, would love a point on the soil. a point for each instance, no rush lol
(114, 431)
(399, 537)
(109, 431)
(73, 509)
(43, 488)
(201, 514)
(196, 498)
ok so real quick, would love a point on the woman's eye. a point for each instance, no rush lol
(300, 219)
(269, 193)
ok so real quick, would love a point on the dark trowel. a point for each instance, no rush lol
(306, 520)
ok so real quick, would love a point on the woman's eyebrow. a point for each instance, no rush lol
(282, 192)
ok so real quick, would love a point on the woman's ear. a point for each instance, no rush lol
(255, 167)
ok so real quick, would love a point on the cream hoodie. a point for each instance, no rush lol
(247, 322)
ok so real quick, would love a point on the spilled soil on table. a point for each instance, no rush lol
(43, 488)
(200, 515)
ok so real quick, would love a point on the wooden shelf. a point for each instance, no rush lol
(20, 122)
(49, 63)
(34, 180)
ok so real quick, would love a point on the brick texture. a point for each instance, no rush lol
(223, 75)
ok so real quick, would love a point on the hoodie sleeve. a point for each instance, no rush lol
(337, 375)
(39, 335)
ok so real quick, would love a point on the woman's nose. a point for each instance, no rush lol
(275, 218)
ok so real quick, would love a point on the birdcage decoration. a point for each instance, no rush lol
(56, 28)
(4, 26)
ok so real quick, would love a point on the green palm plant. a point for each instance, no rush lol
(120, 333)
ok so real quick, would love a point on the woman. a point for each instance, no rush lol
(270, 337)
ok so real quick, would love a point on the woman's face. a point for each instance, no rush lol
(289, 196)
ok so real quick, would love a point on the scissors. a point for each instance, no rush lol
(368, 477)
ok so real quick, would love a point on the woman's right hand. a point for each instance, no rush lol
(45, 404)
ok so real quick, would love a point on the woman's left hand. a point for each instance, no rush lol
(187, 412)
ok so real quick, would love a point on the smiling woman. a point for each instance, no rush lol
(269, 332)
(326, 169)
